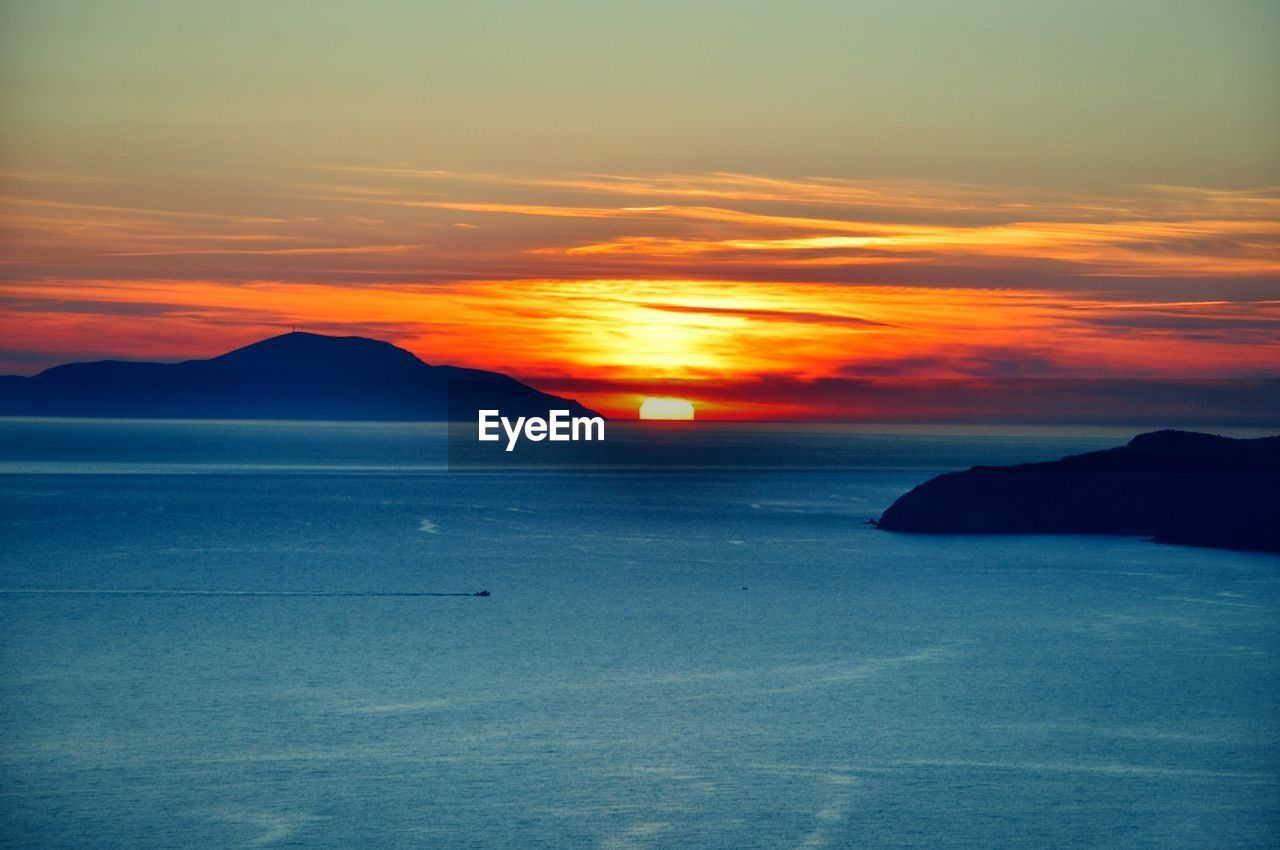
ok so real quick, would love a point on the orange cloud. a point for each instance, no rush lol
(722, 288)
(652, 335)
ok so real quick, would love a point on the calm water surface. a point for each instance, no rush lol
(214, 634)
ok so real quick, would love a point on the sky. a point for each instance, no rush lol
(761, 207)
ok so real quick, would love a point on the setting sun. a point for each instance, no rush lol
(666, 408)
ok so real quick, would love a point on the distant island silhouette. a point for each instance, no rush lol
(1175, 486)
(292, 376)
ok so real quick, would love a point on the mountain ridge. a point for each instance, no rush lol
(296, 375)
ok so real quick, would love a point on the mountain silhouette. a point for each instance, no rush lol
(1176, 486)
(291, 376)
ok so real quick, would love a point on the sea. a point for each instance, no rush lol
(264, 634)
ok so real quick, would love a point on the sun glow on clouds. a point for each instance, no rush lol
(615, 288)
(607, 341)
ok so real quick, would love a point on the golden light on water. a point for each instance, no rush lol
(666, 408)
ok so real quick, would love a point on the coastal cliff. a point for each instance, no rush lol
(1175, 486)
